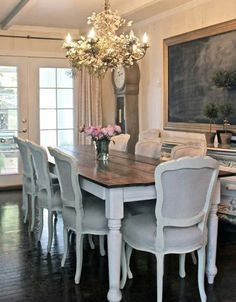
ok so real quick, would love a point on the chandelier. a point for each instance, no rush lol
(103, 48)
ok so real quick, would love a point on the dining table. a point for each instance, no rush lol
(125, 178)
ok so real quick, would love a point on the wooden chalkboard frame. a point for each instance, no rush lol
(193, 36)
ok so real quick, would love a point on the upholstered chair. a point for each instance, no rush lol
(179, 224)
(48, 195)
(83, 216)
(150, 134)
(119, 142)
(148, 148)
(28, 182)
(189, 149)
(149, 145)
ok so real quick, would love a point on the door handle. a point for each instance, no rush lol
(24, 130)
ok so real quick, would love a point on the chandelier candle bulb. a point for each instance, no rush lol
(145, 39)
(131, 34)
(68, 39)
(104, 48)
(92, 34)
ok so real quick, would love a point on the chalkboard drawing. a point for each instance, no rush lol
(191, 62)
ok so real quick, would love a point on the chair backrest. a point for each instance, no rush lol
(119, 142)
(184, 192)
(190, 149)
(26, 157)
(67, 170)
(148, 148)
(150, 134)
(40, 160)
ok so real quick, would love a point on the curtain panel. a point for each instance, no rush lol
(89, 103)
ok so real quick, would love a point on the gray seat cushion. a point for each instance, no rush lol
(94, 219)
(140, 232)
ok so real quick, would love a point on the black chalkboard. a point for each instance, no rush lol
(191, 67)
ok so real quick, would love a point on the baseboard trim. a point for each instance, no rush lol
(11, 188)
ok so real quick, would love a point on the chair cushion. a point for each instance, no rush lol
(139, 231)
(94, 219)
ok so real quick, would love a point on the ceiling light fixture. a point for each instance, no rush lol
(103, 48)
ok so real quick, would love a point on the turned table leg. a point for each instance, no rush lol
(211, 269)
(114, 213)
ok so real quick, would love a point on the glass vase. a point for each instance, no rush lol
(102, 149)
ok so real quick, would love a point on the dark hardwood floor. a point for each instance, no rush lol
(28, 273)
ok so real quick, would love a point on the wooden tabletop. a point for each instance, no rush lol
(122, 169)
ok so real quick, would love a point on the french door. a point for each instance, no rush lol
(13, 116)
(37, 102)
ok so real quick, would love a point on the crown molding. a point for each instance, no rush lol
(168, 13)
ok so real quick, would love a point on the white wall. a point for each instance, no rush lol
(195, 15)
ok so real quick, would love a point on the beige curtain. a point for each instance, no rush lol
(89, 103)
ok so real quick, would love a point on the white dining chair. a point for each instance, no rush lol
(189, 149)
(49, 195)
(83, 216)
(179, 224)
(119, 142)
(29, 187)
(150, 134)
(148, 148)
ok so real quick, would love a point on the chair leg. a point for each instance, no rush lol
(33, 202)
(101, 245)
(91, 243)
(40, 223)
(182, 273)
(194, 258)
(50, 230)
(201, 272)
(160, 272)
(65, 238)
(123, 267)
(129, 250)
(25, 205)
(79, 257)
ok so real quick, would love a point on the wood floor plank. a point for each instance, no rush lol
(28, 274)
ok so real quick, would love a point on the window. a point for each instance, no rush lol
(56, 107)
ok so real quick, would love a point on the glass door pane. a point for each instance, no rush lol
(8, 119)
(12, 111)
(56, 102)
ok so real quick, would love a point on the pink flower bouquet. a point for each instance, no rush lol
(101, 133)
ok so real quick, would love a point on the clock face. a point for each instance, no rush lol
(119, 77)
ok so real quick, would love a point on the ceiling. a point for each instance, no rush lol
(73, 13)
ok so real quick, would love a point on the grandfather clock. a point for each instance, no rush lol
(126, 88)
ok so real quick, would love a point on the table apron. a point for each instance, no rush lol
(130, 193)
